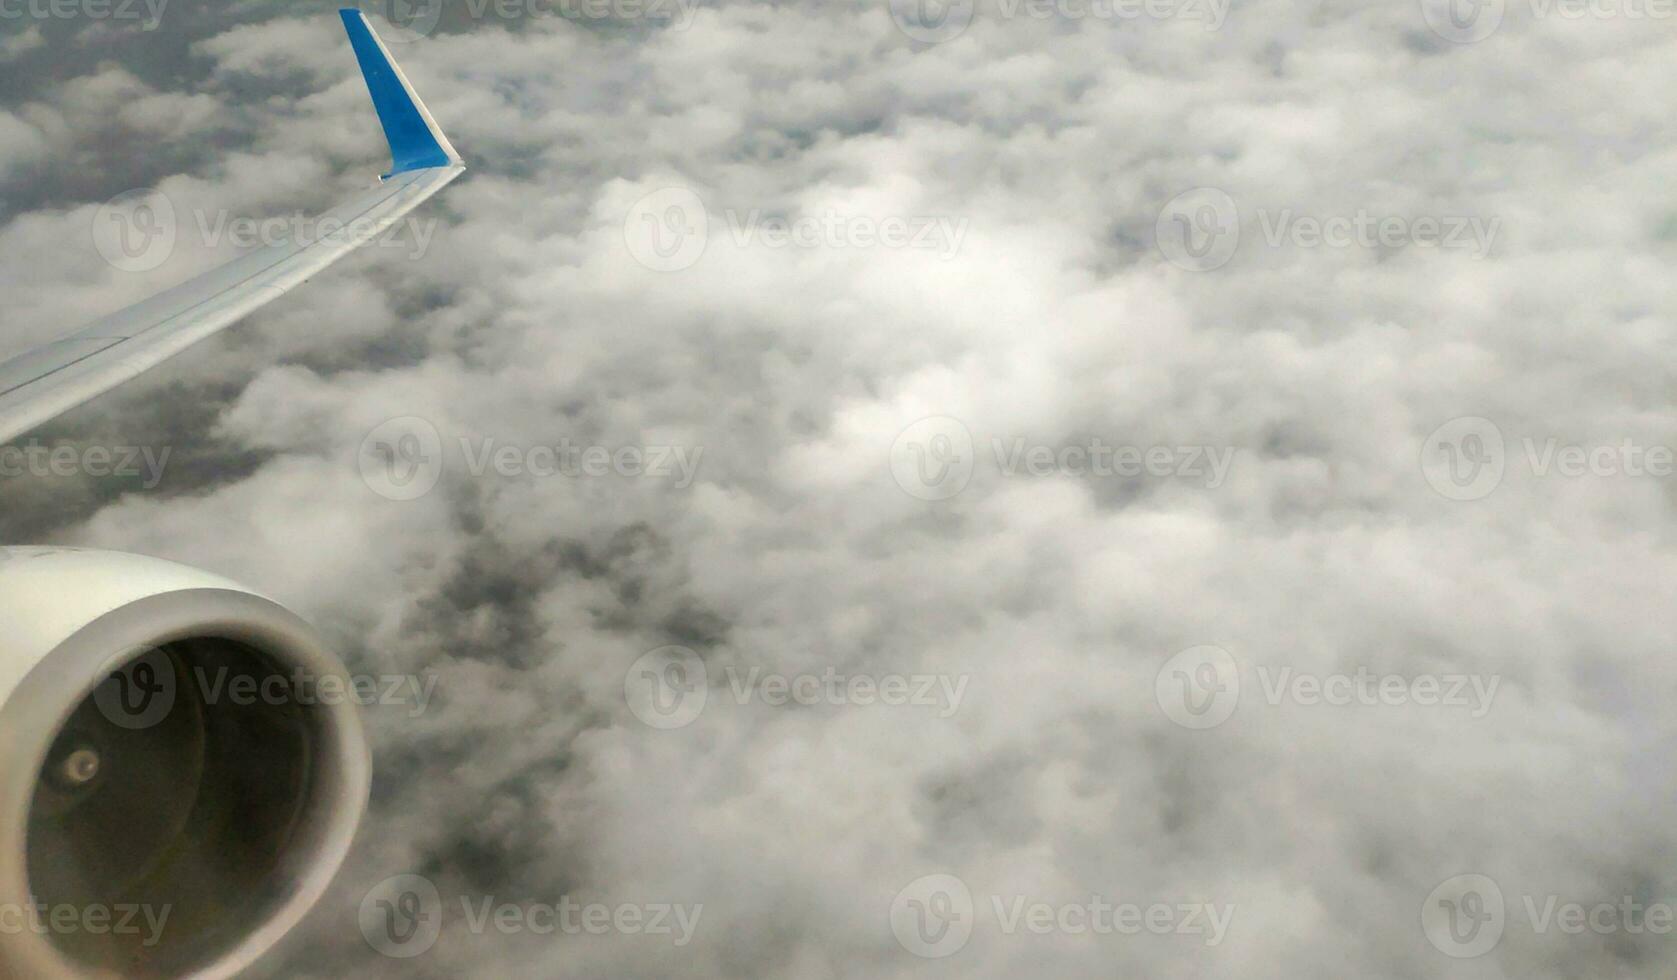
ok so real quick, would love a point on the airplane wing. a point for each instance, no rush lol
(56, 377)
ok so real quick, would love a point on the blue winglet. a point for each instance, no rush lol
(415, 141)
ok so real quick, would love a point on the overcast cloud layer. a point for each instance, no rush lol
(905, 318)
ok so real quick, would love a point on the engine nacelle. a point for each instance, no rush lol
(169, 756)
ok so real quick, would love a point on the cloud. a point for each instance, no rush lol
(1031, 311)
(21, 43)
(24, 143)
(277, 48)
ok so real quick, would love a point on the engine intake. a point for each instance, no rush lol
(177, 792)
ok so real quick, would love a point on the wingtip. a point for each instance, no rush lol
(416, 141)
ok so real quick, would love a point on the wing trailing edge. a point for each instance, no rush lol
(40, 384)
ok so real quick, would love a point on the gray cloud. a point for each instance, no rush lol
(798, 365)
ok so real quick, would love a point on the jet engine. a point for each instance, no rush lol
(183, 771)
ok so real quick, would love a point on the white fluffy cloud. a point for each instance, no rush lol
(23, 144)
(1037, 158)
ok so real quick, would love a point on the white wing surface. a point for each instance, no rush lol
(58, 376)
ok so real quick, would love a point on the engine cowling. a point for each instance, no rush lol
(179, 784)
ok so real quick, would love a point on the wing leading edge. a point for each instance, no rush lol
(52, 379)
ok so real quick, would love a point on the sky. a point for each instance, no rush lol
(1086, 489)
